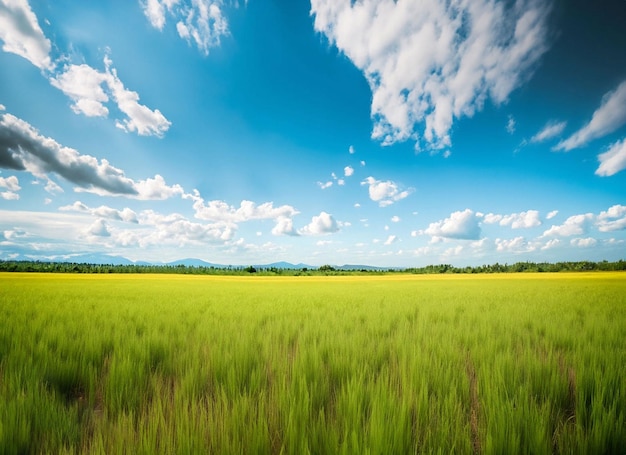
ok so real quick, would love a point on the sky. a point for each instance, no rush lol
(391, 133)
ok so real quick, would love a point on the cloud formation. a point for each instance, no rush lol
(324, 223)
(607, 118)
(430, 62)
(199, 21)
(22, 35)
(89, 89)
(12, 185)
(520, 220)
(23, 148)
(550, 130)
(574, 225)
(126, 214)
(613, 219)
(464, 225)
(384, 192)
(613, 160)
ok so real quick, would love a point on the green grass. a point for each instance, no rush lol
(530, 363)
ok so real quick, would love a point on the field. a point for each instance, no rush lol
(508, 363)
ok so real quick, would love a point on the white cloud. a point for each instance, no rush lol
(552, 243)
(348, 171)
(613, 160)
(23, 148)
(552, 214)
(12, 185)
(22, 35)
(99, 228)
(220, 211)
(324, 223)
(284, 226)
(395, 219)
(520, 220)
(613, 219)
(607, 118)
(550, 130)
(391, 239)
(510, 125)
(351, 150)
(460, 225)
(325, 185)
(362, 163)
(516, 245)
(199, 21)
(126, 214)
(584, 243)
(385, 193)
(90, 89)
(574, 225)
(430, 62)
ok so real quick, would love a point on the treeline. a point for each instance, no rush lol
(71, 267)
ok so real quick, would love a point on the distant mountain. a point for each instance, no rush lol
(193, 262)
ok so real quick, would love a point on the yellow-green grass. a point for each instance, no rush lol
(515, 363)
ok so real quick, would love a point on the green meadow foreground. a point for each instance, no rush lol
(511, 363)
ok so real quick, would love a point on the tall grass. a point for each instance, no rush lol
(378, 365)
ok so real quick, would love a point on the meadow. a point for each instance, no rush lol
(139, 364)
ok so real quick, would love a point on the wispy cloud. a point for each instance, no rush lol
(385, 192)
(607, 118)
(23, 148)
(431, 62)
(201, 22)
(22, 35)
(510, 125)
(550, 130)
(126, 214)
(613, 160)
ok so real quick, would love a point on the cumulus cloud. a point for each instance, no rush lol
(430, 62)
(520, 220)
(516, 245)
(99, 228)
(23, 148)
(102, 212)
(613, 160)
(22, 35)
(584, 243)
(395, 219)
(12, 185)
(324, 223)
(284, 226)
(201, 22)
(384, 192)
(459, 225)
(607, 118)
(348, 171)
(351, 150)
(220, 211)
(613, 219)
(89, 89)
(574, 225)
(550, 130)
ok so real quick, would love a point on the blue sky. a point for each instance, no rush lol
(390, 133)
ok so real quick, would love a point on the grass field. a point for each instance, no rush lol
(511, 363)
